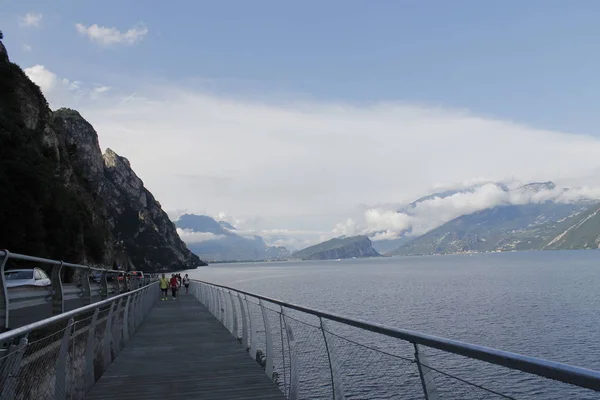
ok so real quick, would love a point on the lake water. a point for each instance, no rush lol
(542, 304)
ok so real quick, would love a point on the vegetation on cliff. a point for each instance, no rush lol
(41, 213)
(62, 199)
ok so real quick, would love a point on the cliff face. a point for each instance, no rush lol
(146, 230)
(46, 208)
(63, 199)
(135, 218)
(357, 246)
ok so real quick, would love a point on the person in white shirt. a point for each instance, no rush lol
(186, 283)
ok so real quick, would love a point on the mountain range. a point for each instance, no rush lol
(511, 227)
(536, 222)
(220, 241)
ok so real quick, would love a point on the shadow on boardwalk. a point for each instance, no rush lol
(182, 352)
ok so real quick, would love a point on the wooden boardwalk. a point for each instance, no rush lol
(182, 352)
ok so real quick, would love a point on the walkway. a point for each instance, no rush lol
(182, 352)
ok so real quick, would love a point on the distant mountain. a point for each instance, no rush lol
(227, 225)
(387, 245)
(502, 228)
(226, 244)
(202, 223)
(347, 247)
(582, 232)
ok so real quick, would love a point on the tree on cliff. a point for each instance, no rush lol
(1, 35)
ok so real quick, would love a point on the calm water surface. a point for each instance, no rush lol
(542, 304)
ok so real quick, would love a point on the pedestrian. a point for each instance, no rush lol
(164, 287)
(174, 286)
(179, 279)
(186, 283)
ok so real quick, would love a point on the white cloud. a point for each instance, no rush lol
(346, 228)
(27, 47)
(44, 78)
(62, 92)
(306, 165)
(189, 236)
(102, 89)
(31, 20)
(109, 36)
(431, 213)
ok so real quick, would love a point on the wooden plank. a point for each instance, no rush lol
(182, 352)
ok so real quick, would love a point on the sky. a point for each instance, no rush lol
(306, 120)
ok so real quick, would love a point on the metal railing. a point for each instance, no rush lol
(61, 357)
(59, 296)
(316, 354)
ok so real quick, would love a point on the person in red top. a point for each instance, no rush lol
(173, 283)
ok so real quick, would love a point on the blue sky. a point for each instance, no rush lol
(296, 116)
(534, 61)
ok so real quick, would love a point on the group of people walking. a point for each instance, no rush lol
(175, 284)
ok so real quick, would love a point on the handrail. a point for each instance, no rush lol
(566, 373)
(23, 257)
(61, 357)
(59, 293)
(12, 334)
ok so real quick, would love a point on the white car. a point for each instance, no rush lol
(26, 277)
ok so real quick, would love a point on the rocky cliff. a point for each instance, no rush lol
(356, 246)
(62, 198)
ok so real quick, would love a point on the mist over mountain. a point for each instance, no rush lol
(220, 241)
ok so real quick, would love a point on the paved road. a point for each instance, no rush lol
(182, 352)
(28, 315)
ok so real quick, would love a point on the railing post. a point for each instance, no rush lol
(87, 289)
(294, 375)
(106, 356)
(58, 300)
(89, 352)
(116, 284)
(132, 314)
(136, 311)
(244, 323)
(429, 387)
(336, 376)
(234, 329)
(9, 371)
(268, 341)
(4, 301)
(234, 326)
(216, 304)
(115, 333)
(126, 320)
(226, 312)
(252, 332)
(60, 386)
(139, 312)
(103, 286)
(221, 306)
(213, 302)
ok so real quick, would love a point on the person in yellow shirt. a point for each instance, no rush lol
(164, 287)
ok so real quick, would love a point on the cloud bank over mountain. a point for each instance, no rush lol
(427, 214)
(302, 166)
